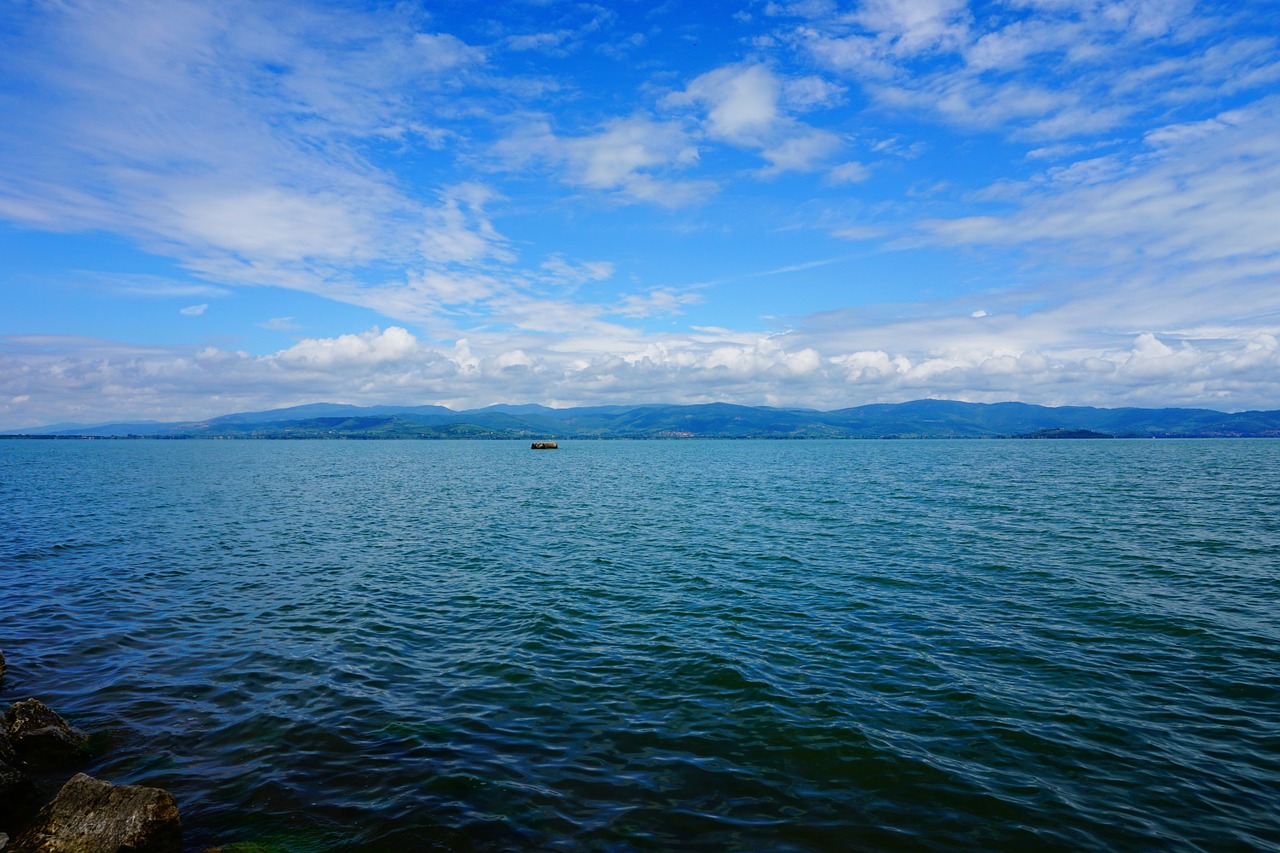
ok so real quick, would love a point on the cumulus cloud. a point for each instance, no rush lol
(620, 156)
(371, 348)
(741, 106)
(741, 102)
(54, 379)
(802, 152)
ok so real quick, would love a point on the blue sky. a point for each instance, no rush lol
(215, 207)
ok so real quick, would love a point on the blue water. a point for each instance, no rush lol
(784, 646)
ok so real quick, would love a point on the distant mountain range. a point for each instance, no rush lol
(919, 419)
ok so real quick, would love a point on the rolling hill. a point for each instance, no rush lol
(917, 419)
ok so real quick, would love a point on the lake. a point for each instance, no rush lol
(662, 645)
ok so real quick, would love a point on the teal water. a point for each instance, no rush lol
(616, 646)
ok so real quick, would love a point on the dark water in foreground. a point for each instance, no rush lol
(663, 645)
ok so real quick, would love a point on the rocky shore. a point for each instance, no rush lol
(86, 815)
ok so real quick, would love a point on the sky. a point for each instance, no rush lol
(217, 207)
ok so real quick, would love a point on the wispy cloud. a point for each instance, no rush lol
(657, 302)
(628, 157)
(233, 138)
(150, 286)
(1037, 70)
(1204, 193)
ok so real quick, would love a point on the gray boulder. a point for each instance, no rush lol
(92, 816)
(41, 738)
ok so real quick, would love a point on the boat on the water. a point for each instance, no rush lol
(545, 445)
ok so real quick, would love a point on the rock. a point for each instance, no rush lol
(39, 737)
(91, 816)
(17, 792)
(7, 755)
(18, 796)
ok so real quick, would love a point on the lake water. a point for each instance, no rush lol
(616, 646)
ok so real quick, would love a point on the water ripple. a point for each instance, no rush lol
(792, 646)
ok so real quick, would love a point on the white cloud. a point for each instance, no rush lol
(852, 172)
(859, 232)
(1205, 197)
(618, 155)
(232, 137)
(459, 232)
(194, 310)
(424, 294)
(351, 351)
(802, 152)
(558, 270)
(659, 301)
(275, 224)
(857, 55)
(548, 42)
(1013, 46)
(66, 379)
(812, 92)
(802, 8)
(741, 106)
(1176, 134)
(440, 52)
(914, 26)
(626, 156)
(1039, 70)
(565, 40)
(240, 140)
(153, 286)
(741, 102)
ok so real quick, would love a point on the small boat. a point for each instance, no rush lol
(545, 445)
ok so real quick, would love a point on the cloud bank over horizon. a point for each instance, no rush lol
(819, 204)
